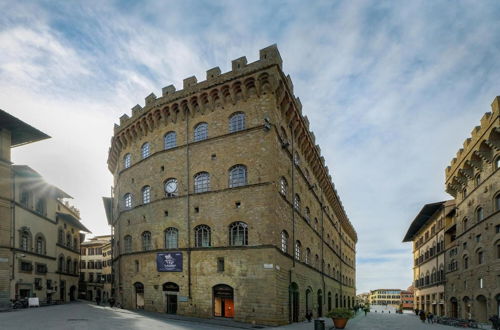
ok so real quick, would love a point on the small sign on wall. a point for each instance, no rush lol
(183, 299)
(169, 261)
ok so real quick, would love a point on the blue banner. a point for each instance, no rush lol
(169, 262)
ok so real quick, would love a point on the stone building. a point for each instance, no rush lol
(107, 272)
(40, 232)
(223, 205)
(472, 237)
(427, 234)
(94, 257)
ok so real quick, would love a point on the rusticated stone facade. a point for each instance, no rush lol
(473, 237)
(225, 176)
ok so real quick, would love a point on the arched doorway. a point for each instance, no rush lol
(293, 305)
(308, 300)
(481, 312)
(320, 303)
(62, 290)
(99, 294)
(72, 291)
(454, 307)
(139, 295)
(171, 291)
(467, 308)
(223, 300)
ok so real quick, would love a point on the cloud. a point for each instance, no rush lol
(391, 91)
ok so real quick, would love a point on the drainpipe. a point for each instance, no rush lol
(322, 251)
(293, 197)
(188, 207)
(13, 229)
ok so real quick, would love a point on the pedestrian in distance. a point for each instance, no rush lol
(422, 316)
(98, 300)
(309, 316)
(430, 317)
(366, 310)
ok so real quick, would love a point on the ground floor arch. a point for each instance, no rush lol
(223, 298)
(72, 293)
(453, 307)
(293, 302)
(481, 312)
(320, 303)
(139, 295)
(171, 291)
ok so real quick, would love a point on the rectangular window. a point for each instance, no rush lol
(41, 268)
(481, 283)
(220, 264)
(26, 266)
(478, 238)
(38, 283)
(49, 284)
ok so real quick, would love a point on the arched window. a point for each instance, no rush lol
(479, 214)
(237, 122)
(466, 262)
(75, 267)
(284, 241)
(477, 180)
(68, 266)
(202, 236)
(171, 189)
(60, 236)
(497, 202)
(127, 243)
(237, 176)
(170, 140)
(296, 158)
(171, 238)
(146, 241)
(465, 224)
(480, 257)
(127, 160)
(201, 182)
(68, 240)
(145, 149)
(497, 163)
(75, 243)
(146, 194)
(283, 186)
(316, 261)
(201, 132)
(307, 257)
(238, 233)
(298, 247)
(464, 193)
(127, 201)
(40, 245)
(296, 202)
(60, 265)
(25, 241)
(307, 214)
(41, 206)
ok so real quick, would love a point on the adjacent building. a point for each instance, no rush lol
(223, 205)
(427, 232)
(472, 236)
(40, 232)
(407, 299)
(95, 256)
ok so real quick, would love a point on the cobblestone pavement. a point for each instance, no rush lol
(376, 321)
(83, 316)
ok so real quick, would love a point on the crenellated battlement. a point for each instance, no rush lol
(267, 57)
(244, 80)
(476, 150)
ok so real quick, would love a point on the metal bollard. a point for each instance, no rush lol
(319, 324)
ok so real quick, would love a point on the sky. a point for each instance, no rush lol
(391, 89)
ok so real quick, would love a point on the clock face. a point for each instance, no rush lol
(171, 186)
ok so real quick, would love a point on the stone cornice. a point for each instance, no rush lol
(477, 150)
